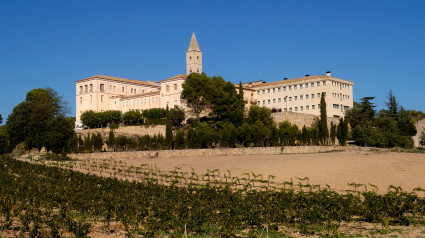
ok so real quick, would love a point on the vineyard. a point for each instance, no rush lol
(48, 198)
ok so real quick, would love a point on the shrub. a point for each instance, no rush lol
(179, 141)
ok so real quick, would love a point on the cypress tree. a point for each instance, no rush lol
(180, 142)
(168, 132)
(323, 123)
(342, 132)
(240, 89)
(333, 133)
(111, 140)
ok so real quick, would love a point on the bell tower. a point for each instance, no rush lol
(193, 57)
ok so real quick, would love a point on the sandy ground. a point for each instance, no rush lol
(336, 169)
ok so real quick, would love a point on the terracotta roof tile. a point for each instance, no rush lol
(289, 81)
(119, 79)
(180, 76)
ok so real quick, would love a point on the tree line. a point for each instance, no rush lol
(40, 121)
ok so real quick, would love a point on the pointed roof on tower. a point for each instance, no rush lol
(193, 46)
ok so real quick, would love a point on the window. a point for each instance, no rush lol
(346, 108)
(268, 90)
(284, 99)
(306, 96)
(123, 89)
(91, 87)
(278, 100)
(302, 108)
(86, 88)
(318, 106)
(290, 87)
(278, 89)
(290, 109)
(274, 100)
(264, 102)
(324, 83)
(258, 92)
(175, 86)
(301, 97)
(318, 95)
(264, 91)
(81, 100)
(318, 84)
(284, 88)
(91, 98)
(197, 71)
(284, 110)
(336, 106)
(312, 106)
(258, 102)
(114, 88)
(102, 87)
(167, 88)
(101, 98)
(296, 109)
(306, 85)
(295, 87)
(301, 86)
(81, 89)
(312, 84)
(312, 95)
(324, 94)
(296, 98)
(268, 101)
(290, 98)
(306, 108)
(274, 89)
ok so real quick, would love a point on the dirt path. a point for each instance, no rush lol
(336, 169)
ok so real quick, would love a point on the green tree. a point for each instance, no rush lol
(333, 133)
(1, 119)
(168, 132)
(245, 134)
(72, 144)
(240, 89)
(180, 142)
(111, 140)
(342, 132)
(132, 117)
(323, 123)
(90, 118)
(177, 116)
(40, 119)
(263, 114)
(228, 135)
(225, 103)
(195, 89)
(97, 142)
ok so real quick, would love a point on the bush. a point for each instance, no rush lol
(179, 141)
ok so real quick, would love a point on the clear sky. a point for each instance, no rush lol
(379, 45)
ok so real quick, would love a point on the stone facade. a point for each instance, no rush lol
(215, 152)
(300, 95)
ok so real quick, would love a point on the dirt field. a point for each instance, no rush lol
(336, 169)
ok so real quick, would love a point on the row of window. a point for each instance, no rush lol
(307, 108)
(301, 97)
(340, 85)
(340, 96)
(273, 90)
(167, 88)
(89, 88)
(91, 99)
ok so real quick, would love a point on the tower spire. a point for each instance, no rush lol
(193, 44)
(193, 57)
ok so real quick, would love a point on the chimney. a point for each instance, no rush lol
(285, 79)
(307, 75)
(328, 73)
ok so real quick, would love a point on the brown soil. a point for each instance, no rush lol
(336, 169)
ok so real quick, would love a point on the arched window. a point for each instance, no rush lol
(102, 87)
(175, 86)
(86, 88)
(81, 89)
(91, 87)
(167, 88)
(190, 71)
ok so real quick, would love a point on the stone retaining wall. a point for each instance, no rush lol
(300, 119)
(214, 152)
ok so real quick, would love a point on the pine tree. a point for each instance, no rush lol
(323, 123)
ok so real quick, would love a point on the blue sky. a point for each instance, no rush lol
(379, 45)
